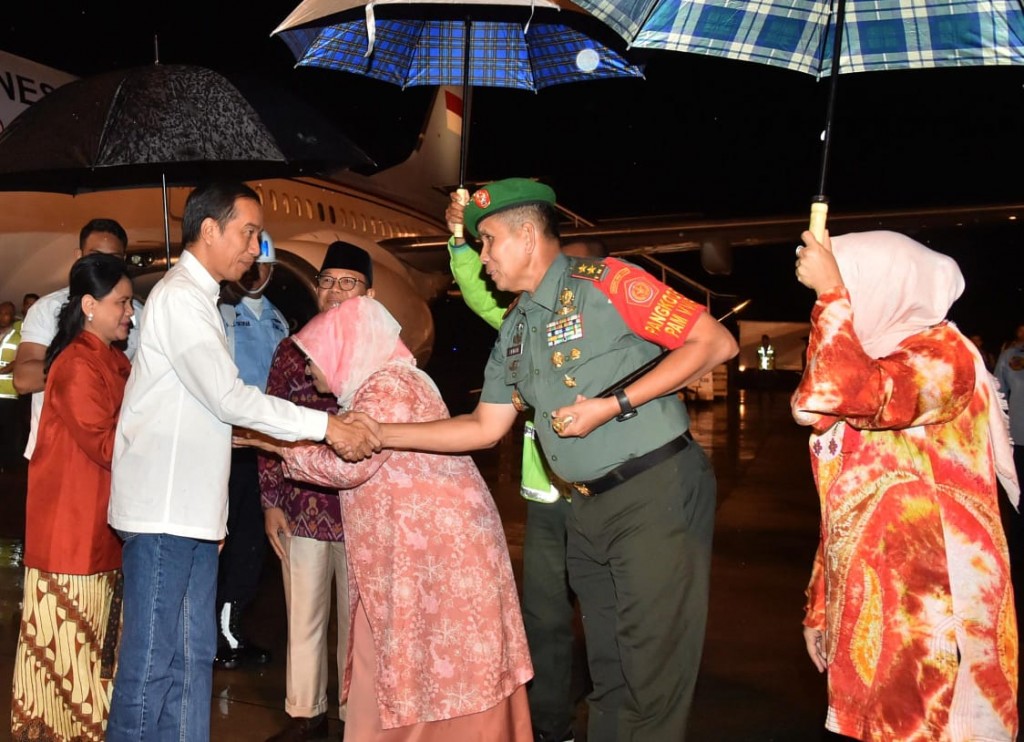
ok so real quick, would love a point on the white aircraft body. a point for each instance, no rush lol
(396, 215)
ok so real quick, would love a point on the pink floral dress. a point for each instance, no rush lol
(428, 560)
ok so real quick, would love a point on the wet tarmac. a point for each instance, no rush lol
(756, 682)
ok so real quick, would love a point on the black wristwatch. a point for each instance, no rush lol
(627, 410)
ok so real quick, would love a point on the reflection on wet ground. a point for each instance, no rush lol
(756, 682)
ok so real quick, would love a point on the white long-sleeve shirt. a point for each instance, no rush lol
(172, 451)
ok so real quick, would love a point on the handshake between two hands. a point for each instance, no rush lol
(353, 436)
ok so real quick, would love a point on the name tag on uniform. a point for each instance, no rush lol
(517, 341)
(564, 329)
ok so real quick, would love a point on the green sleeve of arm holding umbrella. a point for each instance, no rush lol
(465, 265)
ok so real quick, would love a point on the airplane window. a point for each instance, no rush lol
(298, 206)
(320, 211)
(330, 210)
(309, 209)
(286, 203)
(273, 199)
(352, 219)
(373, 226)
(259, 192)
(362, 219)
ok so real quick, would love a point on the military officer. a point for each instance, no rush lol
(639, 545)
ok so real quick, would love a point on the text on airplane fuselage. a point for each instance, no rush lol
(22, 89)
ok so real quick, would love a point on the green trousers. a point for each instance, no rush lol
(639, 558)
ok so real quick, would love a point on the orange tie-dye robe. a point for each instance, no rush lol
(911, 583)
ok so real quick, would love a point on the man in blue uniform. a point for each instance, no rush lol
(639, 544)
(254, 327)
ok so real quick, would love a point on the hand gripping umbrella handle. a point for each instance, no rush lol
(819, 213)
(462, 195)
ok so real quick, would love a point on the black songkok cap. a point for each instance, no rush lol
(347, 256)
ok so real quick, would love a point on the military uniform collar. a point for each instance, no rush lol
(546, 294)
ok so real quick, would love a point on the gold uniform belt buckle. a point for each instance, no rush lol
(583, 489)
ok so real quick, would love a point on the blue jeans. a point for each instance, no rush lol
(165, 667)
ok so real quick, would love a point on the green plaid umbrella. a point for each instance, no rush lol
(826, 37)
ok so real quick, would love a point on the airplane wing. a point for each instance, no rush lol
(716, 238)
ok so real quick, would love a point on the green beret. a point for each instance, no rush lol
(504, 194)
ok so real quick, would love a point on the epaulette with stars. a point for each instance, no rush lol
(590, 270)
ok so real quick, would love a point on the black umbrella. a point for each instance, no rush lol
(166, 125)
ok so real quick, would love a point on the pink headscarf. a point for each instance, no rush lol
(352, 342)
(898, 287)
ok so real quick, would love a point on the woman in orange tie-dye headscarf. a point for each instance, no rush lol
(438, 649)
(910, 604)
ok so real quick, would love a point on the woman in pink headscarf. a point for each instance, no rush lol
(438, 649)
(910, 605)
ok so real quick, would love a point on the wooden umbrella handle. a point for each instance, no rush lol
(819, 214)
(462, 195)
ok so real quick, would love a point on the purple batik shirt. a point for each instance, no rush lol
(312, 511)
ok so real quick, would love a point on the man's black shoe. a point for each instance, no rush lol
(298, 729)
(234, 650)
(539, 736)
(231, 658)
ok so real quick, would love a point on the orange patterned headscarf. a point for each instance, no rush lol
(352, 342)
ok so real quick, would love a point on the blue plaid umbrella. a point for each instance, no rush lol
(800, 34)
(808, 35)
(430, 42)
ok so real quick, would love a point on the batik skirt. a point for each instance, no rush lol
(64, 664)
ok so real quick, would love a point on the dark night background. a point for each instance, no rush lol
(700, 135)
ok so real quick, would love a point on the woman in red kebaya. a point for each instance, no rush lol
(63, 668)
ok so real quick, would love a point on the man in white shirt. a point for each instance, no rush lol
(172, 456)
(40, 323)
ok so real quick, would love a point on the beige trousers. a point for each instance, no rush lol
(307, 592)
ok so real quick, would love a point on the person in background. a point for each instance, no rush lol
(1009, 371)
(765, 355)
(9, 407)
(254, 327)
(40, 324)
(988, 356)
(63, 667)
(548, 602)
(910, 607)
(172, 455)
(303, 522)
(643, 506)
(26, 303)
(1017, 340)
(438, 652)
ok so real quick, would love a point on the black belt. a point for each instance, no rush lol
(629, 469)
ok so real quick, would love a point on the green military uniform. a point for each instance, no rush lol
(638, 552)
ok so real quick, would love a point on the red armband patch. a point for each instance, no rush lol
(649, 308)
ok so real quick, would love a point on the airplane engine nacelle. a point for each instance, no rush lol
(716, 257)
